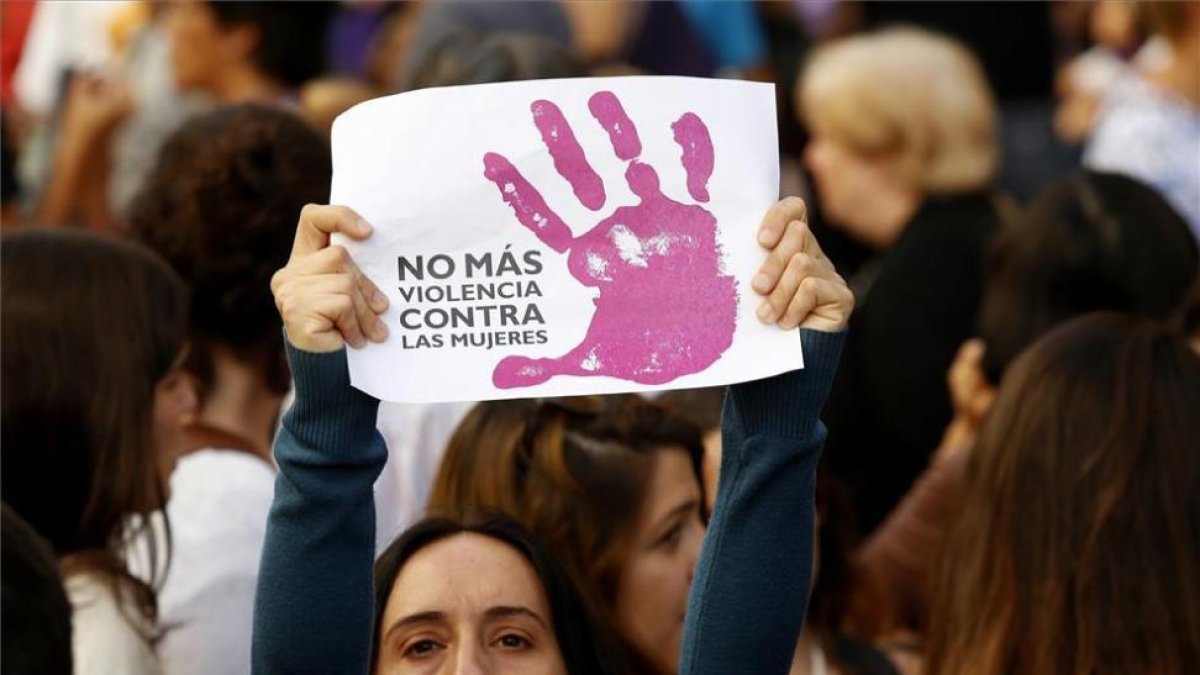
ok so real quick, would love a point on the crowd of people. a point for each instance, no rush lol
(987, 239)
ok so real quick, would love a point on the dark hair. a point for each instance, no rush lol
(291, 35)
(37, 615)
(573, 471)
(90, 325)
(470, 58)
(1090, 242)
(586, 643)
(1074, 548)
(701, 406)
(221, 206)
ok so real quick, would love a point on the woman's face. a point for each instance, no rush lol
(199, 48)
(653, 591)
(468, 604)
(850, 187)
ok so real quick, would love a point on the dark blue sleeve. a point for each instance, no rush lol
(753, 579)
(313, 606)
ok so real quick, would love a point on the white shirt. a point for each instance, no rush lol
(218, 514)
(416, 437)
(104, 639)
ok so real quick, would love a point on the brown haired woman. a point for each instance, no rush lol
(1074, 551)
(611, 485)
(313, 610)
(93, 335)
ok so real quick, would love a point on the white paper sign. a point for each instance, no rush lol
(563, 237)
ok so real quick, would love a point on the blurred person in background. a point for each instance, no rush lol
(94, 333)
(1149, 124)
(220, 207)
(1074, 547)
(1095, 241)
(36, 614)
(902, 153)
(611, 485)
(248, 52)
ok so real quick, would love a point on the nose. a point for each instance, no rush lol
(469, 659)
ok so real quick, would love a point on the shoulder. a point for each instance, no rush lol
(108, 634)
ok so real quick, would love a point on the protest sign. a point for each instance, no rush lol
(563, 237)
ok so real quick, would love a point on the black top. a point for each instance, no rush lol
(890, 403)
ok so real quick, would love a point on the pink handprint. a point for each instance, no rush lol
(665, 309)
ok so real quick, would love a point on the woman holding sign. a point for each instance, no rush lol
(314, 601)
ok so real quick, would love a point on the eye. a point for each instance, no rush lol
(670, 538)
(514, 642)
(421, 648)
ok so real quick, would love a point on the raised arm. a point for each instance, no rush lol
(313, 606)
(753, 579)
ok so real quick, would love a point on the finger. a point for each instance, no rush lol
(777, 302)
(790, 244)
(340, 308)
(569, 160)
(375, 297)
(693, 138)
(526, 202)
(330, 260)
(318, 222)
(775, 221)
(609, 112)
(819, 303)
(352, 285)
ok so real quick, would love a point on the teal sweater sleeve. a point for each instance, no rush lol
(313, 605)
(750, 593)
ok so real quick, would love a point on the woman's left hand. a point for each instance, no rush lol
(800, 286)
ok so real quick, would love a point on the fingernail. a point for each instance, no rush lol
(364, 226)
(761, 283)
(381, 330)
(765, 312)
(379, 300)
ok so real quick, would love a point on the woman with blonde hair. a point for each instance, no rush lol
(902, 154)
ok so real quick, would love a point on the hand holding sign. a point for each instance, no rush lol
(323, 298)
(655, 263)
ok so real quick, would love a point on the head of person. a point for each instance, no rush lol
(221, 207)
(1092, 241)
(482, 58)
(611, 485)
(247, 50)
(1073, 550)
(895, 117)
(477, 593)
(93, 333)
(37, 615)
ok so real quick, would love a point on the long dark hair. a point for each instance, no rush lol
(587, 645)
(1074, 548)
(90, 325)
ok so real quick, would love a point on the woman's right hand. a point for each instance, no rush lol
(324, 299)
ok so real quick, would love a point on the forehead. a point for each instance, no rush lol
(463, 576)
(672, 482)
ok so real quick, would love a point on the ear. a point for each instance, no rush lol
(970, 390)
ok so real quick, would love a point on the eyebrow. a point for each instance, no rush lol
(504, 611)
(680, 510)
(498, 612)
